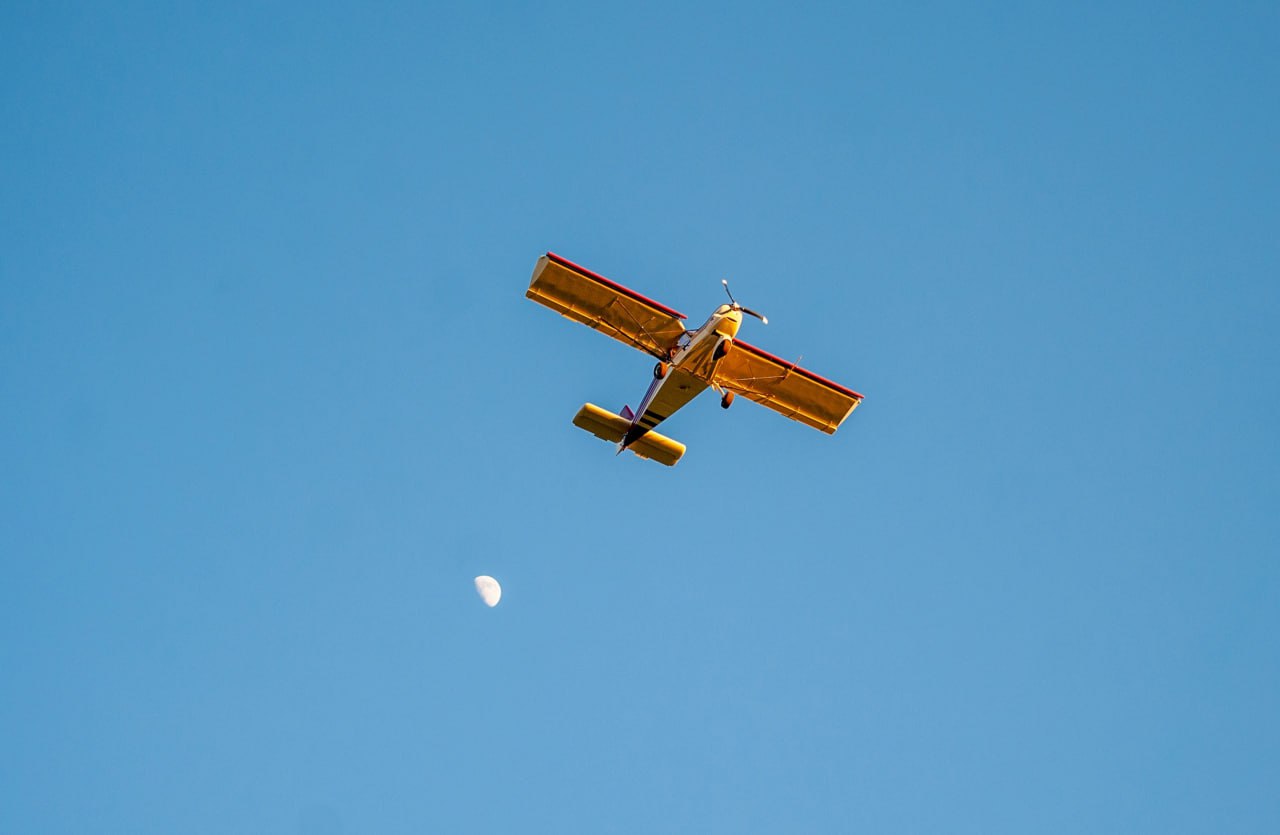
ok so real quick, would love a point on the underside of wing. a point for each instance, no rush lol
(599, 303)
(785, 387)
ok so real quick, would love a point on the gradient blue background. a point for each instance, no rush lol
(272, 395)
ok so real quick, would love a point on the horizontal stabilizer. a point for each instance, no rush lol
(604, 424)
(607, 426)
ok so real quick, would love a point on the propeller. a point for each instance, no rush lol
(737, 306)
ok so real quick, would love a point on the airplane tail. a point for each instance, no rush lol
(607, 426)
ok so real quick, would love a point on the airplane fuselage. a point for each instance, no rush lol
(683, 378)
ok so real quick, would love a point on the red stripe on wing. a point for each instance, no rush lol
(738, 343)
(565, 262)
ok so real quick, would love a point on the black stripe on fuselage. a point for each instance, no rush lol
(651, 419)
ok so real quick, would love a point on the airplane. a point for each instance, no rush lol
(689, 361)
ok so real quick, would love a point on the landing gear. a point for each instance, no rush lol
(727, 400)
(660, 371)
(723, 348)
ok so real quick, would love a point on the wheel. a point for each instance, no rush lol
(723, 348)
(727, 400)
(660, 371)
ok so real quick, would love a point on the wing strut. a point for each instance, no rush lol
(613, 303)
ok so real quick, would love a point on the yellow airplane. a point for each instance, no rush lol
(688, 361)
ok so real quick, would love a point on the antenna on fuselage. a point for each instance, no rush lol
(734, 304)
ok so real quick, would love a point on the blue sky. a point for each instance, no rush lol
(273, 396)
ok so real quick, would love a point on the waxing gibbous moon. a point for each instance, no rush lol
(490, 591)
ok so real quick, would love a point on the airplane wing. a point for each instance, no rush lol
(785, 387)
(599, 303)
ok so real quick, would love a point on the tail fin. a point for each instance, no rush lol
(607, 426)
(628, 414)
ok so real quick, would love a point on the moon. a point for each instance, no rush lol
(490, 591)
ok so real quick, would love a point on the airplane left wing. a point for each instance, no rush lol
(785, 387)
(610, 308)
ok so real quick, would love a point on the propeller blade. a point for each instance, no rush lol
(737, 306)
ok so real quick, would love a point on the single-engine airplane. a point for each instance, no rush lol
(689, 361)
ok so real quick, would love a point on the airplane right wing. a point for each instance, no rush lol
(785, 387)
(597, 302)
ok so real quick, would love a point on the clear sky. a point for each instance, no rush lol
(271, 396)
